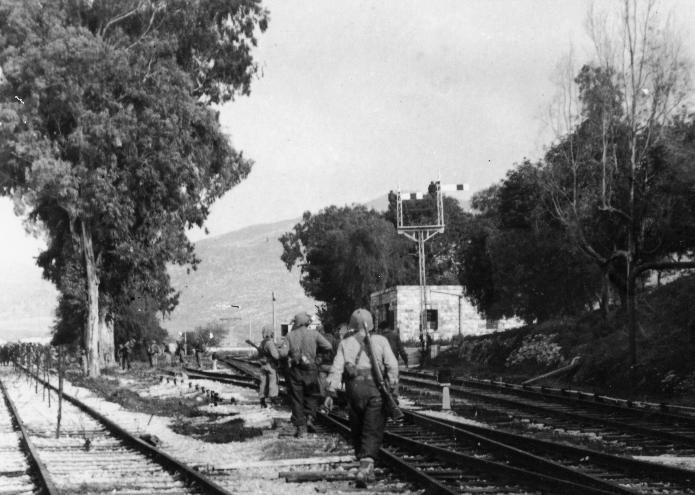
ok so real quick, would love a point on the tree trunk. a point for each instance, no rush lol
(91, 330)
(107, 346)
(632, 320)
(605, 294)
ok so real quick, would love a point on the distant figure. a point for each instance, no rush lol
(269, 357)
(152, 353)
(127, 353)
(119, 355)
(196, 352)
(302, 345)
(83, 361)
(394, 341)
(426, 342)
(180, 351)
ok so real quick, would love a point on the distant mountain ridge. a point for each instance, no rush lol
(240, 268)
(243, 268)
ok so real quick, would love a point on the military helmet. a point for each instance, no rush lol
(267, 331)
(361, 318)
(301, 320)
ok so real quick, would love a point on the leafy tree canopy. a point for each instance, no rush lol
(345, 254)
(106, 136)
(515, 258)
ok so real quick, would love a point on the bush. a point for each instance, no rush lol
(539, 348)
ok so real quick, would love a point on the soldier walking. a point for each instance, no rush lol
(303, 378)
(269, 356)
(353, 364)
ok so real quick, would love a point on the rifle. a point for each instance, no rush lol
(390, 403)
(253, 345)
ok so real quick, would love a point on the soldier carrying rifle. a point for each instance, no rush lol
(367, 403)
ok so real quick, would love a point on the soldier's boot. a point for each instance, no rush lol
(365, 473)
(311, 428)
(301, 432)
(263, 403)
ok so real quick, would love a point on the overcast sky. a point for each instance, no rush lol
(355, 98)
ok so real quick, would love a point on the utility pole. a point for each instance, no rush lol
(460, 296)
(422, 234)
(274, 325)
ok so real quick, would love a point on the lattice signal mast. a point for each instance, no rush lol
(422, 234)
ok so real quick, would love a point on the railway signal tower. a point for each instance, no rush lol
(421, 234)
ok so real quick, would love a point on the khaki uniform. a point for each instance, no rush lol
(367, 419)
(268, 385)
(303, 378)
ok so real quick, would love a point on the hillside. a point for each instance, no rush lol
(240, 268)
(665, 346)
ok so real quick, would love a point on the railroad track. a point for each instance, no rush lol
(630, 475)
(432, 452)
(613, 427)
(246, 367)
(241, 380)
(93, 454)
(335, 471)
(20, 470)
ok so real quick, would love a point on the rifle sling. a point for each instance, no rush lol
(376, 370)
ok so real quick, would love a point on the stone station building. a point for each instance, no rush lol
(449, 313)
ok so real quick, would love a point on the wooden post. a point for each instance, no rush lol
(44, 377)
(48, 374)
(274, 325)
(60, 389)
(38, 372)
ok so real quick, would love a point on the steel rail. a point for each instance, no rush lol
(43, 476)
(245, 369)
(532, 479)
(526, 459)
(523, 442)
(192, 477)
(221, 377)
(625, 464)
(632, 405)
(676, 438)
(609, 460)
(583, 399)
(432, 486)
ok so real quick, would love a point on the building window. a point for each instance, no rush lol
(385, 314)
(491, 324)
(432, 316)
(391, 318)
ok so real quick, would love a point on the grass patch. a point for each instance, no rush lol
(229, 431)
(109, 389)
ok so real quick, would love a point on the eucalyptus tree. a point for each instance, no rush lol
(108, 137)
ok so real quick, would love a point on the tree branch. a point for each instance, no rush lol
(149, 26)
(612, 209)
(119, 18)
